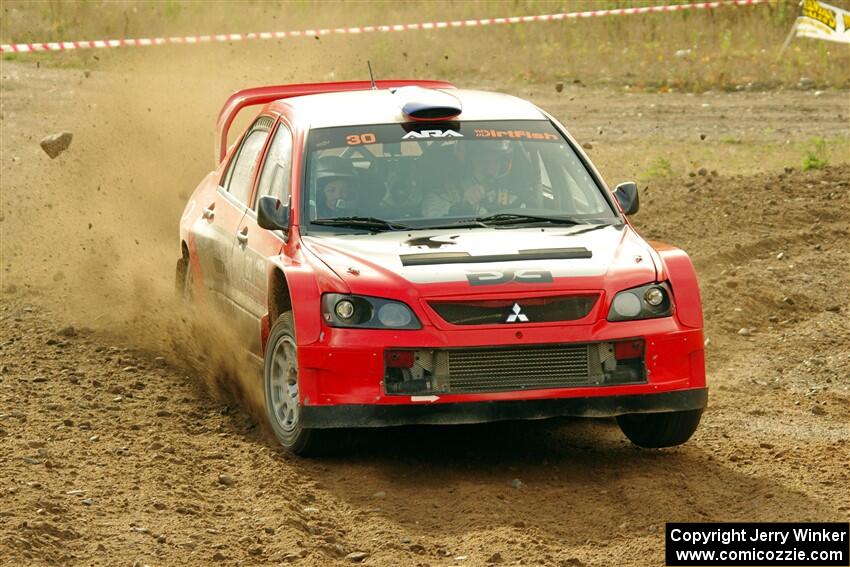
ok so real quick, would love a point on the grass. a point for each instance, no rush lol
(816, 153)
(729, 48)
(658, 169)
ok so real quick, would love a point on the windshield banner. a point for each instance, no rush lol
(516, 130)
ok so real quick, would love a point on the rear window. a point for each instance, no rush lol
(423, 174)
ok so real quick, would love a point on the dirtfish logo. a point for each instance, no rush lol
(432, 134)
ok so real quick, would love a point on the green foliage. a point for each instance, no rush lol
(659, 168)
(815, 157)
(726, 40)
(171, 9)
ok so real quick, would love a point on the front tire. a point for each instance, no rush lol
(656, 430)
(184, 281)
(280, 376)
(180, 276)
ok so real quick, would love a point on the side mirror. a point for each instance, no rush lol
(627, 195)
(272, 214)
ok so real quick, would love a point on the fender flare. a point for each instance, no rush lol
(677, 268)
(305, 282)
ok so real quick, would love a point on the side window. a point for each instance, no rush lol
(238, 182)
(274, 180)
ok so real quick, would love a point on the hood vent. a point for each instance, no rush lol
(432, 258)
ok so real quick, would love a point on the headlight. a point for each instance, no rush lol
(396, 315)
(645, 302)
(654, 296)
(626, 305)
(357, 311)
(344, 309)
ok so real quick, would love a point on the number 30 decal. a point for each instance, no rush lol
(355, 139)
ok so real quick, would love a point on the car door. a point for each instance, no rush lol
(254, 244)
(224, 214)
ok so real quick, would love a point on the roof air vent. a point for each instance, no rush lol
(427, 104)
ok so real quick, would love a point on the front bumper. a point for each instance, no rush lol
(346, 366)
(349, 415)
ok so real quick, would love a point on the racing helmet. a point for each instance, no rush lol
(329, 168)
(335, 168)
(498, 152)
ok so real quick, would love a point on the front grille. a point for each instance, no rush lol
(511, 311)
(496, 369)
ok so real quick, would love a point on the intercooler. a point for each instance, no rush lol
(494, 369)
(508, 368)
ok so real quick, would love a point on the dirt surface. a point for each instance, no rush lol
(120, 442)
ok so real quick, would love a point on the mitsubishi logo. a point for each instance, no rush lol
(517, 316)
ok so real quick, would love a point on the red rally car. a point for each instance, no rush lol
(406, 252)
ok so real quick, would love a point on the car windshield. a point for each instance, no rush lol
(403, 176)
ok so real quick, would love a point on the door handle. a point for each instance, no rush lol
(242, 236)
(209, 212)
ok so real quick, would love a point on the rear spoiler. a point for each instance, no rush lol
(265, 95)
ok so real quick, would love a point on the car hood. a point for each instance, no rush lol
(423, 257)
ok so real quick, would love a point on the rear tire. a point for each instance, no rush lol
(280, 377)
(656, 430)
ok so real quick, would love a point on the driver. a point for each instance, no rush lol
(484, 165)
(335, 180)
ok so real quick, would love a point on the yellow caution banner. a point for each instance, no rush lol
(822, 21)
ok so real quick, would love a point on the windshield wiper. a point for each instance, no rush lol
(372, 223)
(516, 218)
(463, 223)
(504, 219)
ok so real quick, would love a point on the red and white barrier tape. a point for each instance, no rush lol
(193, 39)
